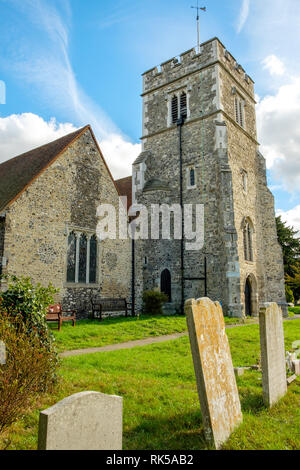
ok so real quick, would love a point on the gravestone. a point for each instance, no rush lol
(84, 421)
(273, 361)
(216, 383)
(2, 353)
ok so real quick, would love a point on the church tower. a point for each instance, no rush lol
(200, 147)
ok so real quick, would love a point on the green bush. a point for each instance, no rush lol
(29, 368)
(289, 295)
(30, 302)
(153, 302)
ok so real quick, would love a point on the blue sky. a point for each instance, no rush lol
(67, 63)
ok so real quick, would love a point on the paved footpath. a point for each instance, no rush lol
(145, 342)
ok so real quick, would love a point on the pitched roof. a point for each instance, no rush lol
(142, 157)
(19, 172)
(124, 186)
(156, 184)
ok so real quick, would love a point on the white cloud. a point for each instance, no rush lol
(278, 118)
(243, 15)
(22, 132)
(291, 217)
(274, 65)
(119, 154)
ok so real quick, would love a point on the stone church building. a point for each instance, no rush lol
(48, 218)
(200, 147)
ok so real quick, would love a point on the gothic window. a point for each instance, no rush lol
(71, 263)
(239, 110)
(93, 260)
(183, 105)
(248, 240)
(179, 107)
(82, 258)
(191, 177)
(174, 109)
(165, 284)
(245, 181)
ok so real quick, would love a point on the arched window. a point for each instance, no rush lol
(174, 109)
(165, 284)
(82, 257)
(192, 177)
(247, 240)
(245, 181)
(93, 260)
(183, 105)
(239, 110)
(71, 257)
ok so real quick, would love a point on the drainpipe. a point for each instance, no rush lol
(180, 123)
(133, 277)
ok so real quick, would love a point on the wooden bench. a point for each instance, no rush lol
(55, 313)
(109, 305)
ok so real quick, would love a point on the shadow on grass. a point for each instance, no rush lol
(178, 432)
(251, 401)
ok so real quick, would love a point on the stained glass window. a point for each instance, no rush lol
(71, 263)
(93, 259)
(82, 258)
(82, 265)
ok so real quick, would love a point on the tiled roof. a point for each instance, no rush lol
(156, 185)
(124, 186)
(19, 172)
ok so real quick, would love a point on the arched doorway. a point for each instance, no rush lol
(165, 284)
(248, 298)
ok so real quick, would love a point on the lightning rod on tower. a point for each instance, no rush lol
(198, 27)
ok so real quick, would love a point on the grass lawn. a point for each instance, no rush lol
(93, 333)
(294, 310)
(161, 407)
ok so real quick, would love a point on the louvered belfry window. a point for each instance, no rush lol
(239, 111)
(183, 105)
(174, 109)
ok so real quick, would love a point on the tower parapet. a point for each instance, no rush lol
(212, 51)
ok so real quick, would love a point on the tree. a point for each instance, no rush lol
(294, 282)
(290, 244)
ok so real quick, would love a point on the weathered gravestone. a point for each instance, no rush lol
(273, 361)
(2, 353)
(84, 421)
(217, 389)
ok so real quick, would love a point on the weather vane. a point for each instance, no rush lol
(198, 29)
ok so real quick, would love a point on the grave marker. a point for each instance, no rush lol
(273, 362)
(217, 389)
(84, 421)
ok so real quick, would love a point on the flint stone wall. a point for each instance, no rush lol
(63, 198)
